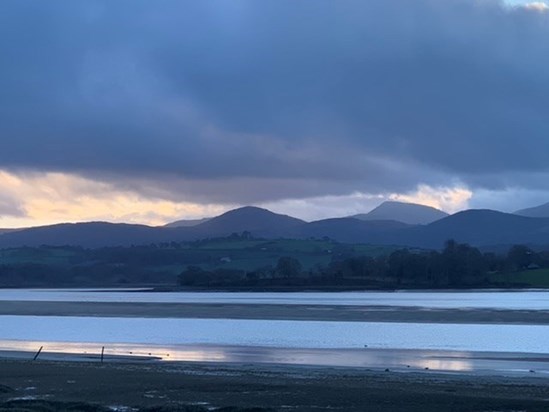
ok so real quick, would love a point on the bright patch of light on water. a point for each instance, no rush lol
(378, 358)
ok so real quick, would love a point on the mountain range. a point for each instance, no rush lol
(393, 223)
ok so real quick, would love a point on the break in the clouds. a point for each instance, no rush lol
(275, 102)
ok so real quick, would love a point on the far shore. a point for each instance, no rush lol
(276, 288)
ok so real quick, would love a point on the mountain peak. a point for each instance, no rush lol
(409, 213)
(248, 210)
(254, 219)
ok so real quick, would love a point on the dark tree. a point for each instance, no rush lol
(288, 267)
(520, 257)
(193, 275)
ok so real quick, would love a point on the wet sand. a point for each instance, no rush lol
(280, 378)
(282, 388)
(503, 364)
(276, 312)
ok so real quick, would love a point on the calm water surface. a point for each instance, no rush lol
(525, 300)
(279, 333)
(444, 347)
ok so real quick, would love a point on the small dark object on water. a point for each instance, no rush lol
(387, 370)
(532, 371)
(426, 368)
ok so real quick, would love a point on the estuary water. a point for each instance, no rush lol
(456, 347)
(279, 333)
(511, 300)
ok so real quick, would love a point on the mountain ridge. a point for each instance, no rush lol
(536, 211)
(478, 227)
(187, 222)
(256, 220)
(483, 227)
(409, 213)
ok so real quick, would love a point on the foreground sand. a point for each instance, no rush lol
(143, 384)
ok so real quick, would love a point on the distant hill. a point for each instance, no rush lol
(409, 213)
(187, 222)
(89, 234)
(352, 230)
(260, 222)
(480, 228)
(537, 211)
(257, 221)
(476, 227)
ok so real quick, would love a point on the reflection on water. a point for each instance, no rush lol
(242, 354)
(453, 365)
(114, 350)
(380, 359)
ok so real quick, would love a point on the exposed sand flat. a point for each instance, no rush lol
(502, 364)
(303, 389)
(275, 312)
(296, 379)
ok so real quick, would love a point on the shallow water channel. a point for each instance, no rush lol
(476, 348)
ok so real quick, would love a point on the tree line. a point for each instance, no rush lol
(456, 265)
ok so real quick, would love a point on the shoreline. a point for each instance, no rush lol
(418, 361)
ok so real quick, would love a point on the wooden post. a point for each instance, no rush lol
(102, 352)
(37, 353)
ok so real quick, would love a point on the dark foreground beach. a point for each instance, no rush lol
(283, 388)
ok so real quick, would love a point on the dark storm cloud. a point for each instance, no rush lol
(316, 97)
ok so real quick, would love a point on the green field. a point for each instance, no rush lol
(45, 255)
(538, 278)
(160, 264)
(248, 261)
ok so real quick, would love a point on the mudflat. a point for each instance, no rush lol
(134, 384)
(275, 312)
(138, 385)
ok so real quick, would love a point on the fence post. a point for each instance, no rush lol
(37, 353)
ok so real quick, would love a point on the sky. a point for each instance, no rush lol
(147, 112)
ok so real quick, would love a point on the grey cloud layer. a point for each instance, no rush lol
(10, 207)
(318, 97)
